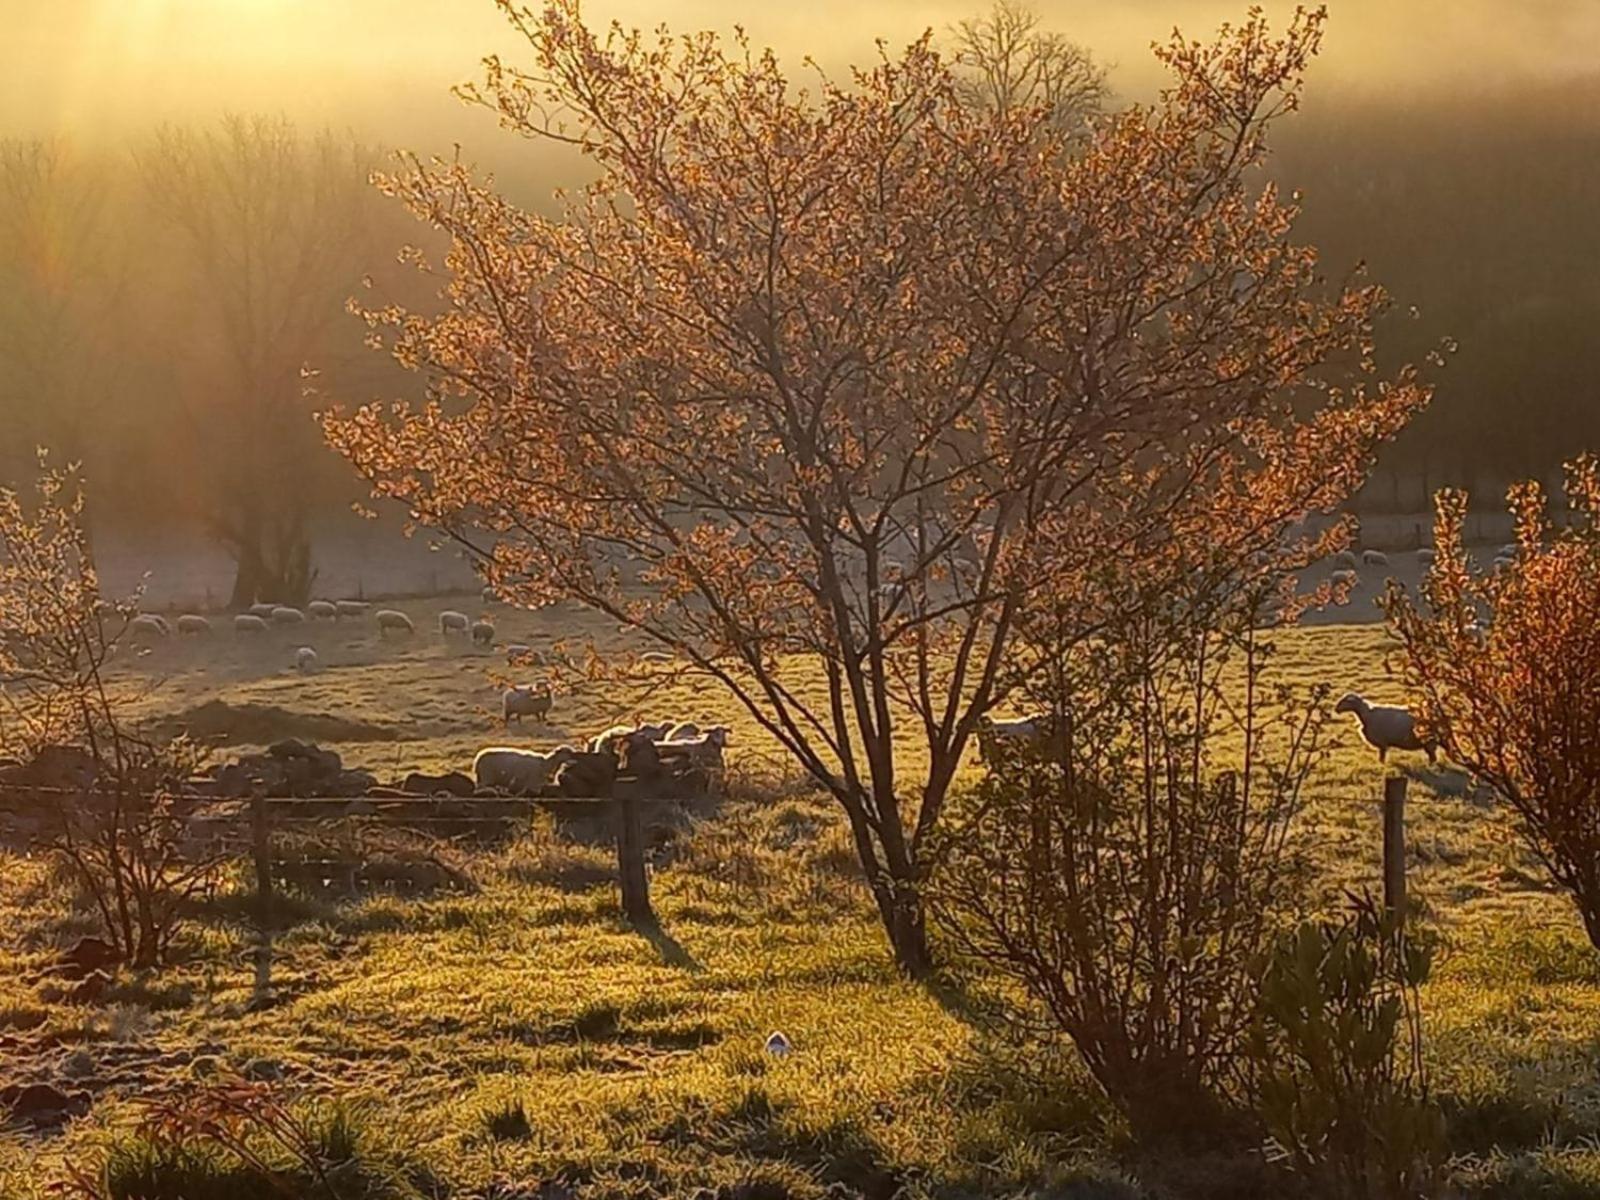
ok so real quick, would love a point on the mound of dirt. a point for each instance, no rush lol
(261, 724)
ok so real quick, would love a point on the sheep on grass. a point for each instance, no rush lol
(392, 620)
(518, 772)
(249, 623)
(1385, 727)
(451, 621)
(522, 702)
(193, 623)
(305, 660)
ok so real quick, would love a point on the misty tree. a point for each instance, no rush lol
(63, 278)
(274, 232)
(1008, 62)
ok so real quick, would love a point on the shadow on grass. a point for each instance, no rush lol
(673, 952)
(1451, 783)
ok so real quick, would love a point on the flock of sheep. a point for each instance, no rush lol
(639, 750)
(147, 629)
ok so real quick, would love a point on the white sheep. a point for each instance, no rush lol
(261, 609)
(392, 620)
(249, 623)
(1384, 727)
(351, 608)
(655, 656)
(148, 627)
(1375, 558)
(451, 621)
(287, 614)
(520, 772)
(992, 732)
(1346, 559)
(522, 702)
(703, 750)
(482, 634)
(607, 741)
(1347, 577)
(305, 660)
(323, 610)
(193, 623)
(520, 654)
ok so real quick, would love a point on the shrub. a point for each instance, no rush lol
(1124, 872)
(1506, 666)
(1338, 1040)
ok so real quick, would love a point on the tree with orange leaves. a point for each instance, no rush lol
(1506, 665)
(858, 376)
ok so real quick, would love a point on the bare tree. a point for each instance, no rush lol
(62, 282)
(1008, 63)
(277, 227)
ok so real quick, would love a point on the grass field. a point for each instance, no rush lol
(636, 1064)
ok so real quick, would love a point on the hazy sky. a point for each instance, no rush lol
(384, 67)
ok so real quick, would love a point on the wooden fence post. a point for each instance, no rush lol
(261, 838)
(1394, 843)
(630, 858)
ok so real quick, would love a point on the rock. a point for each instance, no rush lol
(42, 1103)
(263, 1070)
(452, 783)
(87, 955)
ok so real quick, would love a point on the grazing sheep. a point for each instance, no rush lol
(1346, 559)
(992, 732)
(262, 610)
(488, 594)
(519, 772)
(522, 702)
(1384, 727)
(286, 614)
(482, 634)
(1346, 576)
(249, 623)
(148, 627)
(521, 654)
(350, 608)
(193, 623)
(1425, 556)
(305, 660)
(392, 620)
(451, 621)
(323, 610)
(1375, 558)
(682, 732)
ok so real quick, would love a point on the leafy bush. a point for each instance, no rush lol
(1338, 1041)
(1125, 872)
(1507, 667)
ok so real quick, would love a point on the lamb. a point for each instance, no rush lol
(305, 660)
(392, 620)
(193, 623)
(285, 614)
(451, 621)
(1346, 559)
(522, 702)
(521, 654)
(323, 610)
(1385, 727)
(1375, 558)
(1347, 577)
(350, 608)
(519, 772)
(249, 623)
(482, 634)
(262, 610)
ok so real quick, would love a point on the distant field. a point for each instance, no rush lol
(638, 1062)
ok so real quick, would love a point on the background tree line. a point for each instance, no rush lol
(158, 300)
